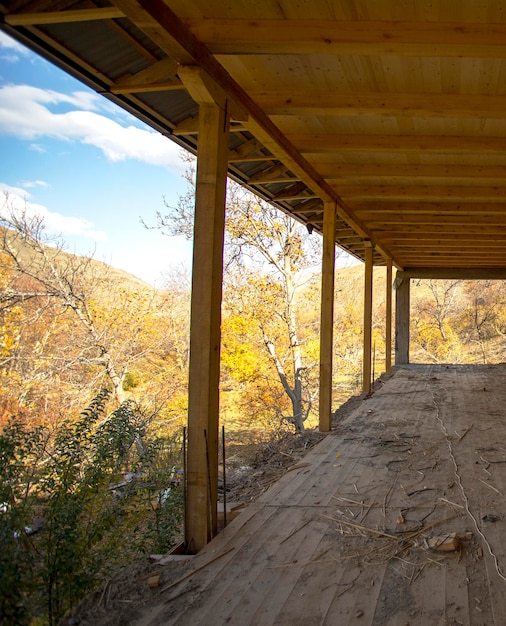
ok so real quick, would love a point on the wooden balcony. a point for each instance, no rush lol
(397, 517)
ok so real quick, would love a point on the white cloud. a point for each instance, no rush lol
(16, 200)
(8, 43)
(25, 112)
(35, 147)
(29, 184)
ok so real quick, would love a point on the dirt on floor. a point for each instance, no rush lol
(251, 468)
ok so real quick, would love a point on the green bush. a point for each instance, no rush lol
(90, 484)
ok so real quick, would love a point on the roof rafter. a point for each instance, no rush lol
(63, 17)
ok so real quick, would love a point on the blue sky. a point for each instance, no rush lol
(88, 167)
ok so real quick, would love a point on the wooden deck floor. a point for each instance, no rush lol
(344, 539)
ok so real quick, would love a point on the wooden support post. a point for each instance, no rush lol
(388, 319)
(327, 315)
(402, 304)
(367, 352)
(204, 374)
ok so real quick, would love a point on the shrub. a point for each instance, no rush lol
(70, 498)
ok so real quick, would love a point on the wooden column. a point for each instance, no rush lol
(388, 319)
(367, 352)
(327, 315)
(204, 374)
(402, 303)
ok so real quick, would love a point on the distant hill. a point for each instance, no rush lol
(95, 271)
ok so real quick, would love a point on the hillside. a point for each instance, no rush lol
(31, 255)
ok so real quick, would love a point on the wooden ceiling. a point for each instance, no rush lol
(394, 109)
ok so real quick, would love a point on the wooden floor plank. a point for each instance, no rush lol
(345, 539)
(260, 574)
(357, 604)
(327, 567)
(288, 566)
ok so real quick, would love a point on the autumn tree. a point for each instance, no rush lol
(68, 325)
(482, 320)
(435, 309)
(278, 258)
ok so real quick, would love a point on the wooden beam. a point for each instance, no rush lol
(434, 193)
(429, 235)
(189, 126)
(153, 88)
(311, 205)
(63, 17)
(388, 319)
(427, 206)
(465, 174)
(450, 246)
(251, 158)
(387, 219)
(437, 229)
(453, 273)
(157, 72)
(273, 174)
(315, 144)
(327, 315)
(204, 90)
(152, 78)
(402, 311)
(440, 105)
(357, 37)
(455, 259)
(246, 149)
(204, 371)
(367, 349)
(428, 242)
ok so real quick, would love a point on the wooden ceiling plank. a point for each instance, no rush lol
(441, 217)
(470, 273)
(450, 251)
(357, 37)
(445, 243)
(411, 105)
(424, 239)
(413, 144)
(465, 264)
(396, 171)
(414, 192)
(419, 206)
(449, 230)
(442, 221)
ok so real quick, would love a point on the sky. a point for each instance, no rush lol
(88, 168)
